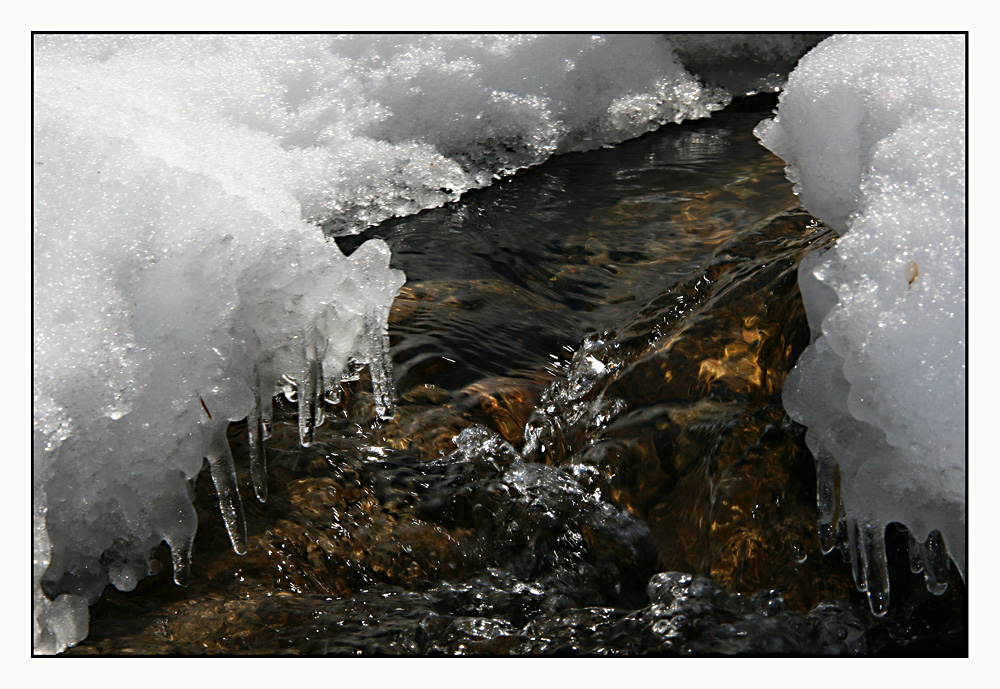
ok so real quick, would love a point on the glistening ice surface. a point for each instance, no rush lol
(873, 130)
(179, 271)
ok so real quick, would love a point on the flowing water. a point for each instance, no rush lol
(588, 456)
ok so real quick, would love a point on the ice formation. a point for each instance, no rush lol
(180, 278)
(873, 130)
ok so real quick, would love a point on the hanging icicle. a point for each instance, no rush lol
(827, 501)
(256, 432)
(934, 558)
(309, 394)
(220, 461)
(379, 363)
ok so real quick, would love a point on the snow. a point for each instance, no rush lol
(873, 130)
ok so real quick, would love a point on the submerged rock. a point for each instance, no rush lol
(676, 416)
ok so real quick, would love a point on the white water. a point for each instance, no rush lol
(873, 130)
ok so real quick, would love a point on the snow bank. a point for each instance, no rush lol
(873, 130)
(179, 271)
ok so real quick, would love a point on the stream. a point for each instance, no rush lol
(588, 457)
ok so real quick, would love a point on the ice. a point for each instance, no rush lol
(58, 623)
(175, 281)
(256, 435)
(185, 187)
(826, 504)
(873, 130)
(934, 562)
(383, 387)
(309, 395)
(223, 470)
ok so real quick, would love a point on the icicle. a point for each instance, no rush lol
(319, 397)
(180, 554)
(179, 532)
(255, 434)
(841, 531)
(826, 503)
(854, 551)
(876, 567)
(310, 400)
(220, 460)
(915, 552)
(332, 396)
(379, 363)
(935, 562)
(267, 411)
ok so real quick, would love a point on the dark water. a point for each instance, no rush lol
(589, 456)
(549, 255)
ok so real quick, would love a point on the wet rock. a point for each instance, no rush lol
(677, 412)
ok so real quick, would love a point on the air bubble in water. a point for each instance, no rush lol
(332, 395)
(289, 388)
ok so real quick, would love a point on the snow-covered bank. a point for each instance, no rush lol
(873, 131)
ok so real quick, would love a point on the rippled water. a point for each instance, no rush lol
(589, 456)
(535, 262)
